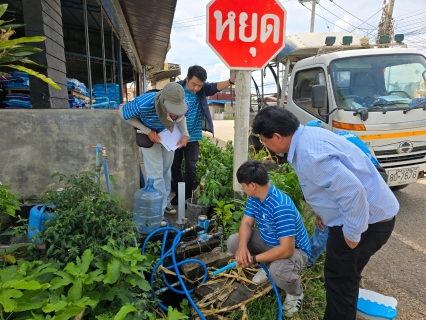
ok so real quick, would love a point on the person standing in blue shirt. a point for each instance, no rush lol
(152, 113)
(198, 118)
(281, 241)
(319, 237)
(345, 189)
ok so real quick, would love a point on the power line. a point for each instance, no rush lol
(351, 13)
(325, 19)
(369, 19)
(324, 16)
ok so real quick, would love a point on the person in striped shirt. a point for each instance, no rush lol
(152, 113)
(198, 118)
(281, 241)
(345, 189)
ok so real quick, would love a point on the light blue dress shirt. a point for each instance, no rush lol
(339, 181)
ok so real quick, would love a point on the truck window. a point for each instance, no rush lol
(379, 82)
(303, 82)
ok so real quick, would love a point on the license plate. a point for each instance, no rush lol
(402, 176)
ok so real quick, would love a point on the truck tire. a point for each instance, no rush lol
(397, 188)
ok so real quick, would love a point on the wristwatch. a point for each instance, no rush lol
(230, 82)
(254, 259)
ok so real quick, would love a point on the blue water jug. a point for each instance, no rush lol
(39, 215)
(148, 208)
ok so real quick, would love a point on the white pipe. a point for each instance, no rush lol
(181, 203)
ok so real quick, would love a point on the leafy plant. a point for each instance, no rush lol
(285, 178)
(14, 51)
(215, 168)
(110, 288)
(8, 201)
(85, 217)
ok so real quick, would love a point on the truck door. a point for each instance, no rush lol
(300, 101)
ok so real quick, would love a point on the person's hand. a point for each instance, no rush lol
(233, 76)
(243, 257)
(350, 243)
(154, 137)
(319, 223)
(183, 141)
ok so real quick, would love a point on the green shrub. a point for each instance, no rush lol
(86, 217)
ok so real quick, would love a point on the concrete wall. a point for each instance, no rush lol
(36, 143)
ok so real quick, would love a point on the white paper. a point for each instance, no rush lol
(170, 139)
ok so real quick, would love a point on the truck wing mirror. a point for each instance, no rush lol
(319, 96)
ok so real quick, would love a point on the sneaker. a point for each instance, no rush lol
(169, 209)
(163, 222)
(292, 304)
(260, 277)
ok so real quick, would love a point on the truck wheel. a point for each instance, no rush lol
(397, 188)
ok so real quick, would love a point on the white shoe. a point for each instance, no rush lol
(260, 277)
(292, 304)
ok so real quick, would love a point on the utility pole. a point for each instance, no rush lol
(314, 2)
(386, 24)
(388, 21)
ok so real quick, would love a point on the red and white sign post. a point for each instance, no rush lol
(245, 35)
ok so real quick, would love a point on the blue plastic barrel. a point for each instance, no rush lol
(148, 208)
(39, 215)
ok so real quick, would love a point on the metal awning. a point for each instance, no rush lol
(144, 28)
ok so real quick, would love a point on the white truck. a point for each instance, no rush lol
(377, 92)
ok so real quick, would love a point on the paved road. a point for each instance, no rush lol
(399, 268)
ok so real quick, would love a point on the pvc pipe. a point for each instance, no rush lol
(181, 203)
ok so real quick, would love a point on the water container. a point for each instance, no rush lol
(148, 208)
(39, 215)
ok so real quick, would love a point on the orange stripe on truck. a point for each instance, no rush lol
(392, 135)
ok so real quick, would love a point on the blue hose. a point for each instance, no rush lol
(107, 177)
(176, 266)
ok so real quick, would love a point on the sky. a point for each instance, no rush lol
(188, 36)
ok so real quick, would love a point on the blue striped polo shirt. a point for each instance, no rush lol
(193, 116)
(143, 108)
(277, 217)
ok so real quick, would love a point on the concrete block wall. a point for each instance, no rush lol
(36, 143)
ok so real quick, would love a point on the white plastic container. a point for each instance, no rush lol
(375, 306)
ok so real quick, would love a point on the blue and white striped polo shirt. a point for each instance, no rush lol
(193, 116)
(143, 108)
(277, 217)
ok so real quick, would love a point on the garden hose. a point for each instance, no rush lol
(176, 266)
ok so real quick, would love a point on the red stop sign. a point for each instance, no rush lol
(246, 34)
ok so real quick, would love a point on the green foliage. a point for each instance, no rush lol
(14, 51)
(8, 205)
(8, 202)
(215, 169)
(285, 179)
(114, 289)
(85, 217)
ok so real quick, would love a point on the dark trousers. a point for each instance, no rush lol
(343, 267)
(190, 152)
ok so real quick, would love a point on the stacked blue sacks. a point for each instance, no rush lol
(18, 100)
(15, 79)
(80, 87)
(112, 93)
(76, 103)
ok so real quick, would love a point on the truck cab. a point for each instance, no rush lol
(377, 92)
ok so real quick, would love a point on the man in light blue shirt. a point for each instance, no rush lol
(345, 189)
